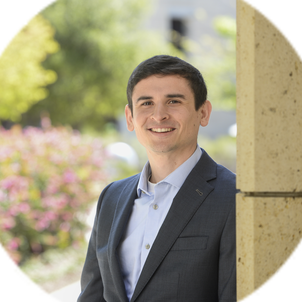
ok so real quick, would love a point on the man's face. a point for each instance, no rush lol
(164, 116)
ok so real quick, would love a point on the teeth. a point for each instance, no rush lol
(161, 129)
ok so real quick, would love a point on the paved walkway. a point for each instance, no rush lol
(71, 292)
(68, 293)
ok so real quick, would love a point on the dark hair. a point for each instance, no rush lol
(168, 65)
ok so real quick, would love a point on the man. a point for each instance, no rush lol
(167, 234)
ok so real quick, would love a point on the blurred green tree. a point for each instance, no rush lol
(101, 43)
(217, 62)
(22, 77)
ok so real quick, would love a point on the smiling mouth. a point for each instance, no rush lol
(161, 130)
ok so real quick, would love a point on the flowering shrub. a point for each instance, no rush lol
(48, 180)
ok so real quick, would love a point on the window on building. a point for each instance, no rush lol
(178, 31)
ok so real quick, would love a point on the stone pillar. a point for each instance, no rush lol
(269, 149)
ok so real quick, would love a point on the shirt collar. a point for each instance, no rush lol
(143, 180)
(176, 178)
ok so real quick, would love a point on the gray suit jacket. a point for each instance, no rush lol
(193, 257)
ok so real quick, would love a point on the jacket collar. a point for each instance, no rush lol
(185, 204)
(176, 178)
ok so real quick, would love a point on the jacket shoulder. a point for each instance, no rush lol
(228, 176)
(111, 195)
(225, 186)
(115, 189)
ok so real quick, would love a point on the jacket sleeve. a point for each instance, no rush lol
(91, 281)
(227, 260)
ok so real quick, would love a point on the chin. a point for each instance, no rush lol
(162, 149)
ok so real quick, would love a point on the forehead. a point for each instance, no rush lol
(163, 83)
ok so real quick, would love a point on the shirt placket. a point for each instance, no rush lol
(151, 228)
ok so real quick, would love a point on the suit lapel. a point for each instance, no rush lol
(185, 204)
(121, 217)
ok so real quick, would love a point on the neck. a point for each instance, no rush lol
(164, 164)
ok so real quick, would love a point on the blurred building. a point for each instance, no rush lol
(188, 18)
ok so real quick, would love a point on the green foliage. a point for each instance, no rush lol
(22, 78)
(101, 43)
(218, 64)
(48, 181)
(226, 27)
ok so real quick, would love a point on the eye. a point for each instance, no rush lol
(174, 102)
(148, 103)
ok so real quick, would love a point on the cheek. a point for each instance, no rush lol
(194, 125)
(141, 119)
(193, 120)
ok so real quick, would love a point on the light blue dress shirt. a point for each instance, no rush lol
(148, 213)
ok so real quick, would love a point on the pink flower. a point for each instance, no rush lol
(13, 194)
(61, 201)
(35, 214)
(14, 210)
(24, 207)
(69, 177)
(7, 183)
(8, 223)
(50, 215)
(13, 244)
(17, 186)
(42, 225)
(53, 186)
(55, 202)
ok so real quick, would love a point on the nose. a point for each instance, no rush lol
(160, 113)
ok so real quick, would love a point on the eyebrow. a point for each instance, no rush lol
(176, 95)
(144, 97)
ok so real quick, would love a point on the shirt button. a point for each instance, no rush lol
(147, 246)
(155, 206)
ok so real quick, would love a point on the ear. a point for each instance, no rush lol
(205, 111)
(129, 118)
